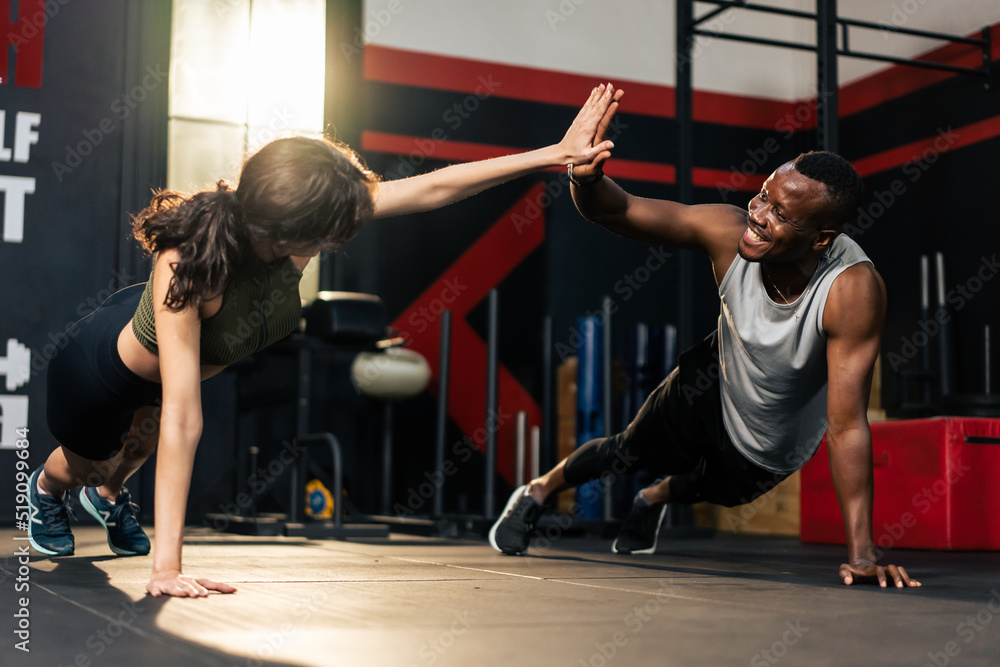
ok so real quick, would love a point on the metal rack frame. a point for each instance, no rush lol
(826, 50)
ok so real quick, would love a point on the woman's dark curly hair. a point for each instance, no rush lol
(295, 191)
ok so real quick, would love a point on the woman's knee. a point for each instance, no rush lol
(88, 472)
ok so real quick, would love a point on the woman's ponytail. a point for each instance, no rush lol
(206, 229)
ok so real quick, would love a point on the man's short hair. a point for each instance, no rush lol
(844, 188)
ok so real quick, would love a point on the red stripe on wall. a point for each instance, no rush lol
(479, 77)
(899, 80)
(414, 68)
(27, 36)
(946, 140)
(634, 170)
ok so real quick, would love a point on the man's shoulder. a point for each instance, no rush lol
(857, 279)
(856, 302)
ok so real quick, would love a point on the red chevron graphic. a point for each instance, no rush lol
(461, 287)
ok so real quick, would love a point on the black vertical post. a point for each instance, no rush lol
(444, 364)
(144, 131)
(607, 305)
(945, 366)
(343, 102)
(685, 161)
(301, 427)
(547, 457)
(827, 133)
(925, 315)
(491, 405)
(387, 419)
(685, 165)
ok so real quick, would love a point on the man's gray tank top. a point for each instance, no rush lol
(773, 361)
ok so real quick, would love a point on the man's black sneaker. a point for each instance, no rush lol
(641, 528)
(511, 532)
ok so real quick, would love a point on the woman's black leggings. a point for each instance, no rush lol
(92, 394)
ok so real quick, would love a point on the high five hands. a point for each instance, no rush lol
(584, 144)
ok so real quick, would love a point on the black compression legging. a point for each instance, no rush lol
(679, 432)
(92, 394)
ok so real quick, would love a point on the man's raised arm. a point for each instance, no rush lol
(712, 229)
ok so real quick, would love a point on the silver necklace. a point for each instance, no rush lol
(795, 311)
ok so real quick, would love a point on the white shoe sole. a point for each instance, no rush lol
(518, 492)
(656, 537)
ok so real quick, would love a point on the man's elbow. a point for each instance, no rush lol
(841, 430)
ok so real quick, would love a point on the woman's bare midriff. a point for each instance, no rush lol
(146, 364)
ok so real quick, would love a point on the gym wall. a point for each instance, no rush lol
(446, 81)
(83, 129)
(442, 81)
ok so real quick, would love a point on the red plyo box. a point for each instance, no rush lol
(937, 486)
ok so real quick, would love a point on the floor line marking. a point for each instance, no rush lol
(608, 588)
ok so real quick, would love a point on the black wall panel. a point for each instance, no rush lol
(104, 75)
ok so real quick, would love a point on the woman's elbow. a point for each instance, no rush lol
(186, 425)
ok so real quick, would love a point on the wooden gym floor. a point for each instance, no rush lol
(422, 601)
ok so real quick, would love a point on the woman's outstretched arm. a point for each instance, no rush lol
(445, 186)
(178, 338)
